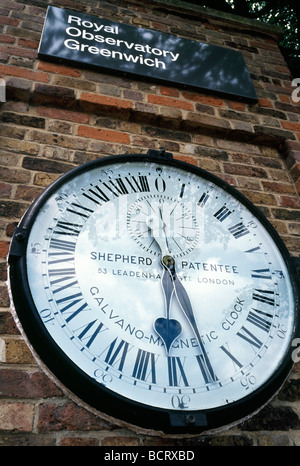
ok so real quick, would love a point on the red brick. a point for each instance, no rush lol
(19, 52)
(9, 21)
(7, 323)
(294, 146)
(105, 101)
(22, 384)
(245, 170)
(169, 91)
(7, 39)
(103, 134)
(59, 69)
(11, 4)
(170, 102)
(5, 190)
(284, 98)
(31, 44)
(240, 106)
(187, 159)
(265, 103)
(4, 248)
(24, 73)
(54, 417)
(291, 125)
(276, 187)
(229, 179)
(289, 201)
(59, 114)
(204, 99)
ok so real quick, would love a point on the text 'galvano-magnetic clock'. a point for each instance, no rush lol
(156, 293)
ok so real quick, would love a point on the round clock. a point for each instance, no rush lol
(156, 293)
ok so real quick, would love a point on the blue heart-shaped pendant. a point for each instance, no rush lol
(168, 330)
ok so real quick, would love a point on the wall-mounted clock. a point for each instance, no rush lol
(156, 293)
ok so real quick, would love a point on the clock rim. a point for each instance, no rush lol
(72, 377)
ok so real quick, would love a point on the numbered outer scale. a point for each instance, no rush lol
(156, 293)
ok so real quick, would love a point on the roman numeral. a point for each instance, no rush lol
(203, 200)
(96, 195)
(176, 372)
(61, 280)
(222, 213)
(238, 230)
(144, 366)
(264, 296)
(63, 251)
(261, 319)
(206, 369)
(89, 332)
(263, 274)
(71, 307)
(228, 353)
(66, 247)
(80, 210)
(62, 259)
(246, 335)
(65, 276)
(67, 272)
(117, 354)
(139, 184)
(117, 187)
(67, 228)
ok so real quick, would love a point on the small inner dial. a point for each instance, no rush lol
(179, 224)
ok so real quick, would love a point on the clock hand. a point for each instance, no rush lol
(157, 227)
(168, 329)
(185, 304)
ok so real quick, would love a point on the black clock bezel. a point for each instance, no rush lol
(85, 388)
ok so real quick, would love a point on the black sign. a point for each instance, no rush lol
(77, 38)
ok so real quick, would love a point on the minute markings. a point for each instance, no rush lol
(107, 191)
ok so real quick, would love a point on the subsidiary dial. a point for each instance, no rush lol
(179, 224)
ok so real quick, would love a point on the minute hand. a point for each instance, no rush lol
(185, 304)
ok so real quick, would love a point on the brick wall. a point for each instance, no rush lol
(57, 117)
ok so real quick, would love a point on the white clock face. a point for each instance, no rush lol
(205, 329)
